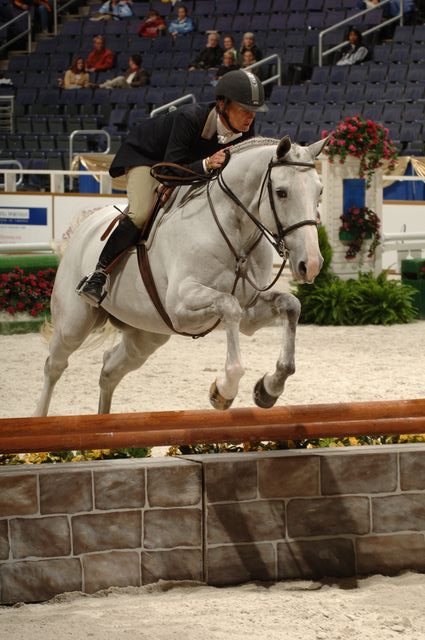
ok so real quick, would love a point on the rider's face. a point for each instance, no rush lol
(239, 117)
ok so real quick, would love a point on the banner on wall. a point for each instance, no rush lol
(25, 220)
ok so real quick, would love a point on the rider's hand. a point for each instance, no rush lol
(216, 161)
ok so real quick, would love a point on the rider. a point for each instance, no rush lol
(195, 136)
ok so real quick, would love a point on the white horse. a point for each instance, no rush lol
(266, 195)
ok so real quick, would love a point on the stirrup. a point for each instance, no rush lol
(88, 290)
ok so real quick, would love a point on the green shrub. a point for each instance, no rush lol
(367, 300)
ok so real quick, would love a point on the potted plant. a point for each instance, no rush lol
(359, 224)
(364, 139)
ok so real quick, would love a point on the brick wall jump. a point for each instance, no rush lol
(223, 519)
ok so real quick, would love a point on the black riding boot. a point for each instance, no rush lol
(124, 236)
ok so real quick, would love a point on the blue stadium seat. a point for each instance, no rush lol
(316, 93)
(279, 94)
(354, 93)
(320, 75)
(410, 131)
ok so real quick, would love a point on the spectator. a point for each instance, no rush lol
(113, 9)
(228, 64)
(76, 77)
(210, 56)
(43, 11)
(355, 51)
(248, 44)
(135, 76)
(100, 58)
(248, 59)
(229, 45)
(182, 24)
(153, 25)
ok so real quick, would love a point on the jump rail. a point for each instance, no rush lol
(297, 422)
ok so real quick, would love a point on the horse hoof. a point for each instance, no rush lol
(217, 400)
(261, 397)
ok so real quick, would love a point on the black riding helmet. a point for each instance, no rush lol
(242, 87)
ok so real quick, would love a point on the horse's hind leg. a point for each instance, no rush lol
(68, 334)
(268, 307)
(134, 349)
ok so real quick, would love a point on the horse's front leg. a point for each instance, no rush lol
(199, 305)
(268, 307)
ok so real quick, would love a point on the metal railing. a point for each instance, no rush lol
(79, 132)
(57, 182)
(277, 77)
(170, 106)
(8, 182)
(26, 32)
(350, 21)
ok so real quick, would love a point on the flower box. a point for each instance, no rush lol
(349, 236)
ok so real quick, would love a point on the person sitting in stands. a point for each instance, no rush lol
(100, 58)
(135, 76)
(228, 64)
(229, 45)
(211, 55)
(248, 44)
(152, 26)
(43, 11)
(182, 24)
(355, 51)
(248, 59)
(195, 136)
(76, 77)
(113, 9)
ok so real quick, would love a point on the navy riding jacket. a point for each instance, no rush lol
(179, 136)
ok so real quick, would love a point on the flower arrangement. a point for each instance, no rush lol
(360, 223)
(30, 293)
(363, 139)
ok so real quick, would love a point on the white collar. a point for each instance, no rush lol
(224, 134)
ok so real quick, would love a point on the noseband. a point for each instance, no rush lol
(277, 240)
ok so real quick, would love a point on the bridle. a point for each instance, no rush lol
(277, 240)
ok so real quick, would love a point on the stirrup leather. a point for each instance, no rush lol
(94, 292)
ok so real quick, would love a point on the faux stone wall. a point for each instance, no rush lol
(222, 519)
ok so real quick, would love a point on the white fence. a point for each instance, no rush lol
(403, 228)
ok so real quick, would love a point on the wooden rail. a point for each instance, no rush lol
(297, 422)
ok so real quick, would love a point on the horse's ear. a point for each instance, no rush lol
(283, 147)
(317, 147)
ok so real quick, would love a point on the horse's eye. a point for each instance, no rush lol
(281, 193)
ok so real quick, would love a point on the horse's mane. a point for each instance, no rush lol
(253, 142)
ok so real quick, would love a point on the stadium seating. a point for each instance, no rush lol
(388, 88)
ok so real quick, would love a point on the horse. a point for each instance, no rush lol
(211, 256)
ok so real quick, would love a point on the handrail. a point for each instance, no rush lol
(173, 103)
(17, 164)
(349, 20)
(27, 31)
(78, 132)
(277, 76)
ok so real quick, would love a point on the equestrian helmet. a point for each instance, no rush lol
(242, 87)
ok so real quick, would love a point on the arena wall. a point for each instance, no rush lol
(222, 519)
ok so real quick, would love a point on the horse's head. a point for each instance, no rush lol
(293, 191)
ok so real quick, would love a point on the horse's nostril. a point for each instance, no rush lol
(302, 269)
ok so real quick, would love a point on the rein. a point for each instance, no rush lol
(277, 240)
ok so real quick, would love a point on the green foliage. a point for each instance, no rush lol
(367, 300)
(54, 457)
